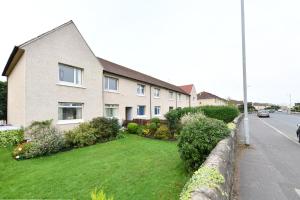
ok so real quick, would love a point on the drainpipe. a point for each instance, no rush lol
(150, 102)
(190, 101)
(176, 99)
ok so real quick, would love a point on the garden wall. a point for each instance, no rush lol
(221, 158)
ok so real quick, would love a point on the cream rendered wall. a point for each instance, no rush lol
(126, 96)
(212, 102)
(184, 101)
(193, 94)
(164, 101)
(16, 94)
(43, 92)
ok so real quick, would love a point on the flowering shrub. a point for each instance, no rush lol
(191, 117)
(11, 137)
(44, 139)
(162, 133)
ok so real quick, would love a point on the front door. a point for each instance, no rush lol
(128, 113)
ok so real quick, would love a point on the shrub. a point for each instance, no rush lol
(22, 150)
(224, 113)
(155, 120)
(153, 128)
(83, 135)
(198, 138)
(162, 132)
(132, 128)
(11, 137)
(45, 139)
(106, 128)
(191, 117)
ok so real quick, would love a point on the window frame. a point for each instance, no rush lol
(70, 121)
(139, 86)
(159, 109)
(111, 106)
(156, 93)
(171, 97)
(137, 111)
(110, 90)
(75, 75)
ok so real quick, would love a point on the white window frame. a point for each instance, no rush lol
(159, 109)
(137, 111)
(108, 89)
(70, 121)
(112, 106)
(156, 93)
(138, 90)
(171, 95)
(75, 70)
(179, 97)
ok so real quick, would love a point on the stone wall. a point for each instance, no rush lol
(221, 158)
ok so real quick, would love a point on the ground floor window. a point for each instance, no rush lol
(171, 108)
(141, 110)
(111, 110)
(69, 111)
(156, 110)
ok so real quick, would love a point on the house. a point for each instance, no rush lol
(206, 98)
(191, 90)
(57, 76)
(260, 106)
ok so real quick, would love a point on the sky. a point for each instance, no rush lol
(181, 42)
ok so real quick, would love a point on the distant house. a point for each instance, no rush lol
(260, 106)
(206, 98)
(191, 90)
(57, 76)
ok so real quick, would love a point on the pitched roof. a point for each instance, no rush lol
(120, 70)
(207, 95)
(187, 88)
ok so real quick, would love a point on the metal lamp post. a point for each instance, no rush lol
(246, 119)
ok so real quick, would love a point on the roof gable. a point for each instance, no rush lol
(207, 95)
(187, 88)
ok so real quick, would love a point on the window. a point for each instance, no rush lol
(111, 110)
(141, 110)
(140, 90)
(156, 110)
(156, 92)
(179, 97)
(171, 108)
(110, 84)
(171, 95)
(70, 74)
(69, 111)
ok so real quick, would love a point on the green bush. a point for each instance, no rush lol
(153, 128)
(224, 113)
(198, 138)
(162, 132)
(106, 128)
(11, 137)
(83, 135)
(155, 120)
(44, 139)
(22, 151)
(132, 128)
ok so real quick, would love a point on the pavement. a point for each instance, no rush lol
(270, 168)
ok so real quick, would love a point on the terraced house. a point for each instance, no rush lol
(57, 76)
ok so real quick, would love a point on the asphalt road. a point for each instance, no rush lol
(270, 168)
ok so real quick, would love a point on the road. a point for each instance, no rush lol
(270, 168)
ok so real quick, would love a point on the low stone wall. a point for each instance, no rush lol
(221, 158)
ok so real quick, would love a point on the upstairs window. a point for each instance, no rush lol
(69, 111)
(179, 97)
(141, 110)
(171, 95)
(140, 90)
(156, 92)
(70, 74)
(111, 84)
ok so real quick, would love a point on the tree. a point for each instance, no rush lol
(3, 100)
(250, 107)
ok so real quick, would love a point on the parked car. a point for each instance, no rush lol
(298, 132)
(263, 113)
(279, 110)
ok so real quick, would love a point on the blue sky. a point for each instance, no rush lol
(178, 41)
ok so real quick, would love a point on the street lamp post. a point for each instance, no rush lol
(246, 120)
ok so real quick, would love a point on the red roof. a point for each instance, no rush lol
(207, 95)
(187, 88)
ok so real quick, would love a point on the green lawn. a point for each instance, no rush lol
(129, 168)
